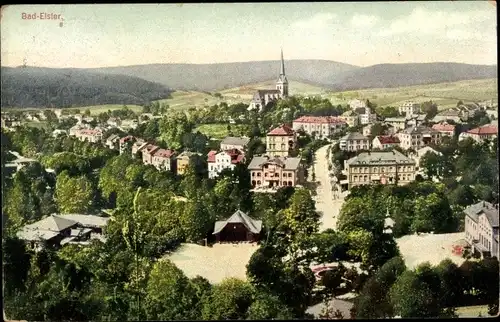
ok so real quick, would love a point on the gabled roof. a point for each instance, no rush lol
(388, 139)
(484, 130)
(379, 158)
(52, 223)
(187, 154)
(262, 92)
(239, 217)
(353, 136)
(420, 152)
(282, 130)
(444, 127)
(287, 162)
(126, 138)
(163, 153)
(349, 113)
(112, 137)
(234, 140)
(489, 210)
(318, 119)
(211, 156)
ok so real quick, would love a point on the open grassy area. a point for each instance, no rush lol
(444, 94)
(219, 131)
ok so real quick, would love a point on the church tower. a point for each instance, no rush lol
(282, 83)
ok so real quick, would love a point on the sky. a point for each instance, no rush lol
(362, 33)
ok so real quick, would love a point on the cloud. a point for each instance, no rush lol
(318, 21)
(427, 22)
(364, 21)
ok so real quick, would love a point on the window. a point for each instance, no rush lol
(253, 174)
(265, 174)
(258, 174)
(289, 175)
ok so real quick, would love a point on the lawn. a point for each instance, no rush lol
(219, 131)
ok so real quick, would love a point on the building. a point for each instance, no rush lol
(416, 120)
(113, 121)
(58, 230)
(379, 167)
(89, 135)
(232, 142)
(365, 115)
(367, 129)
(113, 142)
(486, 132)
(275, 172)
(398, 123)
(128, 124)
(351, 118)
(280, 141)
(468, 110)
(137, 147)
(417, 137)
(354, 141)
(183, 160)
(454, 114)
(10, 122)
(417, 156)
(125, 143)
(218, 161)
(385, 141)
(321, 126)
(492, 114)
(356, 103)
(162, 159)
(481, 228)
(409, 108)
(445, 129)
(262, 97)
(238, 228)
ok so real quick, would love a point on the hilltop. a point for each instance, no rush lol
(49, 87)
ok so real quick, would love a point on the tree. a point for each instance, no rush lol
(268, 307)
(432, 213)
(170, 294)
(429, 108)
(74, 194)
(228, 300)
(449, 276)
(377, 129)
(196, 221)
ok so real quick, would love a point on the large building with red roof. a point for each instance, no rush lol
(280, 140)
(486, 132)
(321, 126)
(445, 128)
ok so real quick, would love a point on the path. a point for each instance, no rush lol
(326, 205)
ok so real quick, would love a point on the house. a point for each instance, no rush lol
(468, 110)
(481, 228)
(409, 108)
(58, 132)
(137, 147)
(58, 230)
(275, 172)
(492, 114)
(76, 128)
(453, 114)
(128, 124)
(126, 142)
(148, 152)
(280, 141)
(385, 141)
(356, 103)
(415, 120)
(10, 122)
(218, 161)
(113, 142)
(161, 159)
(417, 156)
(365, 115)
(232, 142)
(445, 129)
(89, 135)
(351, 118)
(113, 121)
(237, 228)
(183, 161)
(263, 97)
(399, 123)
(321, 126)
(389, 167)
(416, 137)
(486, 132)
(367, 129)
(354, 141)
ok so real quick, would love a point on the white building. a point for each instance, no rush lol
(486, 132)
(354, 142)
(232, 142)
(322, 126)
(356, 103)
(218, 161)
(417, 137)
(481, 228)
(409, 108)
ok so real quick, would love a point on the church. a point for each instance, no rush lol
(263, 96)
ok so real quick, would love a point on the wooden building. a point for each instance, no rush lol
(239, 227)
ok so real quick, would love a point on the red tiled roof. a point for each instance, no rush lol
(485, 130)
(282, 130)
(162, 153)
(238, 159)
(127, 138)
(319, 119)
(150, 148)
(388, 139)
(235, 154)
(211, 156)
(444, 127)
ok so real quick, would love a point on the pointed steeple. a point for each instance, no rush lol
(282, 71)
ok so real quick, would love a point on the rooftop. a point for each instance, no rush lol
(163, 153)
(379, 158)
(233, 140)
(239, 217)
(484, 130)
(419, 130)
(354, 136)
(318, 119)
(287, 162)
(282, 130)
(444, 127)
(483, 207)
(388, 139)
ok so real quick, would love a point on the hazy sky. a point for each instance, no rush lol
(361, 33)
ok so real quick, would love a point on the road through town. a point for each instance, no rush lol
(326, 205)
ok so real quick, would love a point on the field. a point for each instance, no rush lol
(219, 131)
(444, 94)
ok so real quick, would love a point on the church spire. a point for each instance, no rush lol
(282, 71)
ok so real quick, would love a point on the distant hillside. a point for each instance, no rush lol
(398, 75)
(212, 77)
(48, 87)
